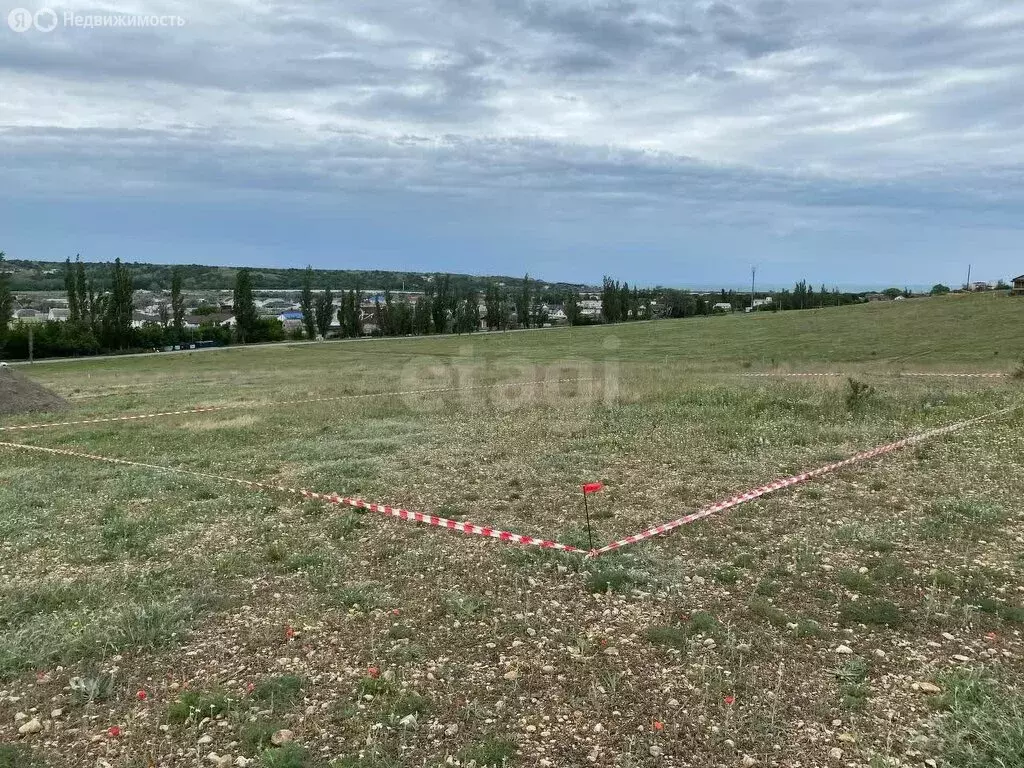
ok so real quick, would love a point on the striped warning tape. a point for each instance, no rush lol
(962, 375)
(896, 375)
(330, 498)
(494, 533)
(774, 375)
(803, 477)
(235, 406)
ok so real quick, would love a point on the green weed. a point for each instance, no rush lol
(490, 753)
(877, 612)
(193, 706)
(983, 724)
(278, 692)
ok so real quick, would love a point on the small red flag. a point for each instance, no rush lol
(592, 487)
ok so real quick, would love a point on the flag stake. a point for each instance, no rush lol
(586, 510)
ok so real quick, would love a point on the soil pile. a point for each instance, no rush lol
(19, 394)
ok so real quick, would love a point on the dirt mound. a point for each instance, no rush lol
(19, 394)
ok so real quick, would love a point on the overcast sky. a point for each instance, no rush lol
(860, 143)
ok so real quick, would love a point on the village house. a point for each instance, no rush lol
(291, 320)
(1018, 286)
(29, 316)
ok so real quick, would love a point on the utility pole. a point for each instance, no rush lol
(968, 286)
(753, 277)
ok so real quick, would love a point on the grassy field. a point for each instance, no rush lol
(869, 618)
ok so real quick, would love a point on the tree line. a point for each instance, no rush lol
(100, 309)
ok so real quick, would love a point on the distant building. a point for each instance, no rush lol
(590, 307)
(57, 315)
(291, 320)
(139, 320)
(192, 322)
(722, 306)
(29, 316)
(1018, 286)
(979, 286)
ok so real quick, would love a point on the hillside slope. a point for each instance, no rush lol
(978, 331)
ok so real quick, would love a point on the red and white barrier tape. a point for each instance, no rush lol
(776, 375)
(803, 477)
(236, 406)
(330, 498)
(895, 375)
(961, 375)
(469, 528)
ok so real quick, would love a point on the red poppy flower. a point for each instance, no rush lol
(251, 687)
(113, 731)
(729, 700)
(289, 632)
(141, 695)
(659, 726)
(373, 672)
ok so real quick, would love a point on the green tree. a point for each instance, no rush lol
(306, 304)
(246, 316)
(939, 289)
(800, 295)
(85, 311)
(473, 312)
(492, 302)
(572, 308)
(401, 323)
(74, 313)
(525, 303)
(350, 316)
(324, 311)
(387, 323)
(422, 315)
(467, 314)
(442, 303)
(177, 302)
(611, 295)
(117, 320)
(6, 300)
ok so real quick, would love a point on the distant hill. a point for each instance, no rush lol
(49, 276)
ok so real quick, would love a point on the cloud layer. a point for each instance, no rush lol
(792, 132)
